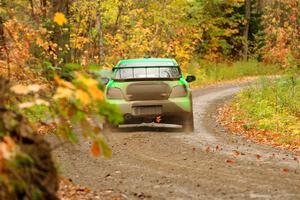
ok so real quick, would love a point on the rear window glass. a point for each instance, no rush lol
(147, 72)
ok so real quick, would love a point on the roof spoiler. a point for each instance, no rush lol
(130, 67)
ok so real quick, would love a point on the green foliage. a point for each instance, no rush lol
(20, 165)
(25, 159)
(272, 104)
(64, 70)
(106, 151)
(210, 72)
(21, 162)
(37, 113)
(67, 70)
(80, 107)
(111, 111)
(221, 23)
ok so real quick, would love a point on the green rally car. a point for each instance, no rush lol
(151, 92)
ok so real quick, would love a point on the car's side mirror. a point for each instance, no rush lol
(105, 80)
(190, 78)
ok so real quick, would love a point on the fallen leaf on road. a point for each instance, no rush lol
(218, 148)
(285, 170)
(83, 190)
(207, 149)
(230, 161)
(236, 153)
(258, 157)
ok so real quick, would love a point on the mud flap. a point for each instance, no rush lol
(188, 124)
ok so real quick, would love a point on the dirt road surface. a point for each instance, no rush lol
(208, 164)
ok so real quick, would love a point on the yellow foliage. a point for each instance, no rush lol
(86, 92)
(78, 42)
(96, 93)
(60, 19)
(83, 97)
(235, 1)
(92, 87)
(63, 83)
(86, 81)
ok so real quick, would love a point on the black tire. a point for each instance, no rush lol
(188, 124)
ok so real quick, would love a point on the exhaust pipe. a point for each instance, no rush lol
(128, 117)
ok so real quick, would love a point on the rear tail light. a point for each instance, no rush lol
(114, 93)
(178, 91)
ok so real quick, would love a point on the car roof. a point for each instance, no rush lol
(147, 62)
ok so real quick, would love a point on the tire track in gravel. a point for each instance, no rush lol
(153, 164)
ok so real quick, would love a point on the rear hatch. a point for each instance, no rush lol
(139, 91)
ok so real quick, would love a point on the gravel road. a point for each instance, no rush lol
(208, 164)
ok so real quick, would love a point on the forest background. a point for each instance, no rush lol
(46, 36)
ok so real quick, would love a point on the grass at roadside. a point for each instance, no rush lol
(268, 111)
(209, 73)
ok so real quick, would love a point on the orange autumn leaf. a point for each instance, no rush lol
(63, 83)
(83, 97)
(218, 148)
(86, 190)
(95, 149)
(236, 153)
(207, 149)
(230, 161)
(285, 170)
(96, 93)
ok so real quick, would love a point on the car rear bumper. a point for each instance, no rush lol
(172, 107)
(151, 125)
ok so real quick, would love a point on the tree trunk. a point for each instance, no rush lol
(260, 6)
(43, 6)
(100, 34)
(246, 31)
(32, 7)
(117, 22)
(60, 6)
(4, 51)
(2, 39)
